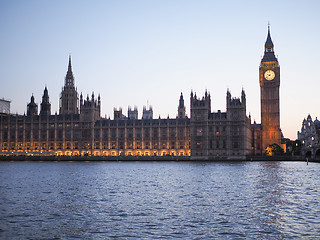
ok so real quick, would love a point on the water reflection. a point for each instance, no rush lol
(269, 199)
(254, 200)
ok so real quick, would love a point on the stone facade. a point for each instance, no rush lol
(88, 134)
(219, 134)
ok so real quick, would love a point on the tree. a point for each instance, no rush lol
(274, 150)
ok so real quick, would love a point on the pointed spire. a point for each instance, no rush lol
(269, 43)
(45, 92)
(181, 101)
(69, 81)
(81, 99)
(268, 49)
(69, 66)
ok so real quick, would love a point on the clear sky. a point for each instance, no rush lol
(140, 52)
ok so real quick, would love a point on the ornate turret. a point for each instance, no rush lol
(32, 108)
(200, 108)
(147, 113)
(89, 109)
(69, 96)
(45, 104)
(181, 108)
(133, 113)
(233, 102)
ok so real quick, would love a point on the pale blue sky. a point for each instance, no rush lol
(134, 52)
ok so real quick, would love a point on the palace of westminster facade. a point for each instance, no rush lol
(79, 129)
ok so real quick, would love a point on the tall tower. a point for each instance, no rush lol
(269, 74)
(69, 96)
(45, 104)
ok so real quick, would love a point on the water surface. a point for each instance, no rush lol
(159, 200)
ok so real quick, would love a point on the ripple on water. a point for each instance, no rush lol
(254, 200)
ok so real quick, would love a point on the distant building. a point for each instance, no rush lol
(4, 106)
(309, 135)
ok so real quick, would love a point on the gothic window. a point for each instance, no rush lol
(121, 133)
(51, 134)
(235, 145)
(5, 135)
(76, 134)
(113, 133)
(35, 133)
(164, 132)
(20, 135)
(97, 134)
(172, 132)
(68, 134)
(199, 132)
(105, 133)
(44, 134)
(155, 133)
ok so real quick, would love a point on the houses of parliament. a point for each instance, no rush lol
(79, 129)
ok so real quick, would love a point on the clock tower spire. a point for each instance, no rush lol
(269, 76)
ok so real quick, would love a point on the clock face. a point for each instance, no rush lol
(269, 75)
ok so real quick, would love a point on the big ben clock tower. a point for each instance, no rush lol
(269, 74)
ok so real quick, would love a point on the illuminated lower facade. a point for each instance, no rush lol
(69, 135)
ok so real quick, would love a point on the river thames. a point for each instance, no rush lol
(159, 200)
